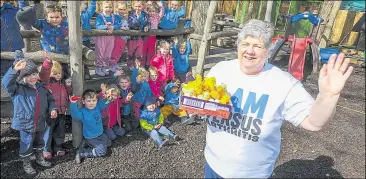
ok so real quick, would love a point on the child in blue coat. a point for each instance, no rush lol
(91, 116)
(181, 52)
(33, 104)
(171, 16)
(152, 121)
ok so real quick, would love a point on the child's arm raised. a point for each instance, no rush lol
(45, 72)
(103, 103)
(189, 47)
(92, 8)
(10, 78)
(162, 9)
(182, 11)
(75, 112)
(175, 51)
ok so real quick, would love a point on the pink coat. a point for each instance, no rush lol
(59, 90)
(106, 113)
(165, 67)
(155, 87)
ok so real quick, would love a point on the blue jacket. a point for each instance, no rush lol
(171, 18)
(134, 74)
(24, 98)
(143, 91)
(149, 119)
(91, 118)
(123, 23)
(137, 23)
(54, 39)
(86, 17)
(127, 106)
(181, 63)
(10, 36)
(99, 22)
(171, 99)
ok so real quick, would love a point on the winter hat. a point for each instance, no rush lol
(18, 55)
(29, 69)
(56, 68)
(150, 100)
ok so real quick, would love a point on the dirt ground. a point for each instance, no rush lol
(338, 151)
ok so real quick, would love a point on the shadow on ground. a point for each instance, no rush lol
(321, 167)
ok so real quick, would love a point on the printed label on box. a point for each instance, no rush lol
(211, 106)
(193, 103)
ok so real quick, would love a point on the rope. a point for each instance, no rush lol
(361, 112)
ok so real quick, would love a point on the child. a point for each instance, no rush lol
(150, 41)
(155, 85)
(51, 74)
(119, 41)
(54, 30)
(104, 44)
(86, 15)
(152, 123)
(111, 115)
(181, 52)
(33, 104)
(171, 16)
(90, 114)
(137, 20)
(141, 92)
(163, 62)
(171, 105)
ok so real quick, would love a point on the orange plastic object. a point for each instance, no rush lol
(75, 98)
(205, 107)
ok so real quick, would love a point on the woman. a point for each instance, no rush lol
(248, 144)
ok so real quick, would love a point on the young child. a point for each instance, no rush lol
(86, 15)
(134, 66)
(90, 114)
(181, 53)
(171, 105)
(141, 92)
(104, 44)
(120, 41)
(137, 20)
(152, 121)
(54, 30)
(163, 62)
(111, 115)
(33, 104)
(51, 74)
(172, 15)
(150, 41)
(156, 86)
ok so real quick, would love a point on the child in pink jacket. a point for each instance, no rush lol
(163, 62)
(156, 86)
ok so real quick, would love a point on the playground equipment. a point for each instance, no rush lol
(349, 51)
(298, 47)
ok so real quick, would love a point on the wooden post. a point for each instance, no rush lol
(76, 64)
(324, 41)
(204, 42)
(244, 7)
(269, 8)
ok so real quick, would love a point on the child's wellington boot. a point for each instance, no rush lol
(27, 166)
(41, 161)
(98, 71)
(104, 70)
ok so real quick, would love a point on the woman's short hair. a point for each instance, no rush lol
(257, 28)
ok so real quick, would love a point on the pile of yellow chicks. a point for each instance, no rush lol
(206, 89)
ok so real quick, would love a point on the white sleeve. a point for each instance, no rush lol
(214, 71)
(297, 104)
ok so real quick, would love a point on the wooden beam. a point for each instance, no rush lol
(37, 57)
(226, 23)
(215, 35)
(76, 63)
(204, 42)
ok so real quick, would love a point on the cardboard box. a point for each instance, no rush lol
(205, 107)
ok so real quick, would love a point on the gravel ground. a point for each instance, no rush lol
(336, 151)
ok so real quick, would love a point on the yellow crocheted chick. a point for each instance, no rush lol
(198, 89)
(225, 99)
(215, 95)
(209, 83)
(220, 89)
(187, 90)
(198, 79)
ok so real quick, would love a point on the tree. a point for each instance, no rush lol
(269, 8)
(199, 15)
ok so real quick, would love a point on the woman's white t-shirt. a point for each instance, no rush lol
(248, 144)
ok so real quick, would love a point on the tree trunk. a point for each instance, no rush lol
(205, 43)
(324, 13)
(269, 8)
(328, 26)
(199, 15)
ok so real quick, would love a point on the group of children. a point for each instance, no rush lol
(143, 100)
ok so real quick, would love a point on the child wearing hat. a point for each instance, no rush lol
(33, 104)
(171, 105)
(112, 114)
(51, 73)
(152, 121)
